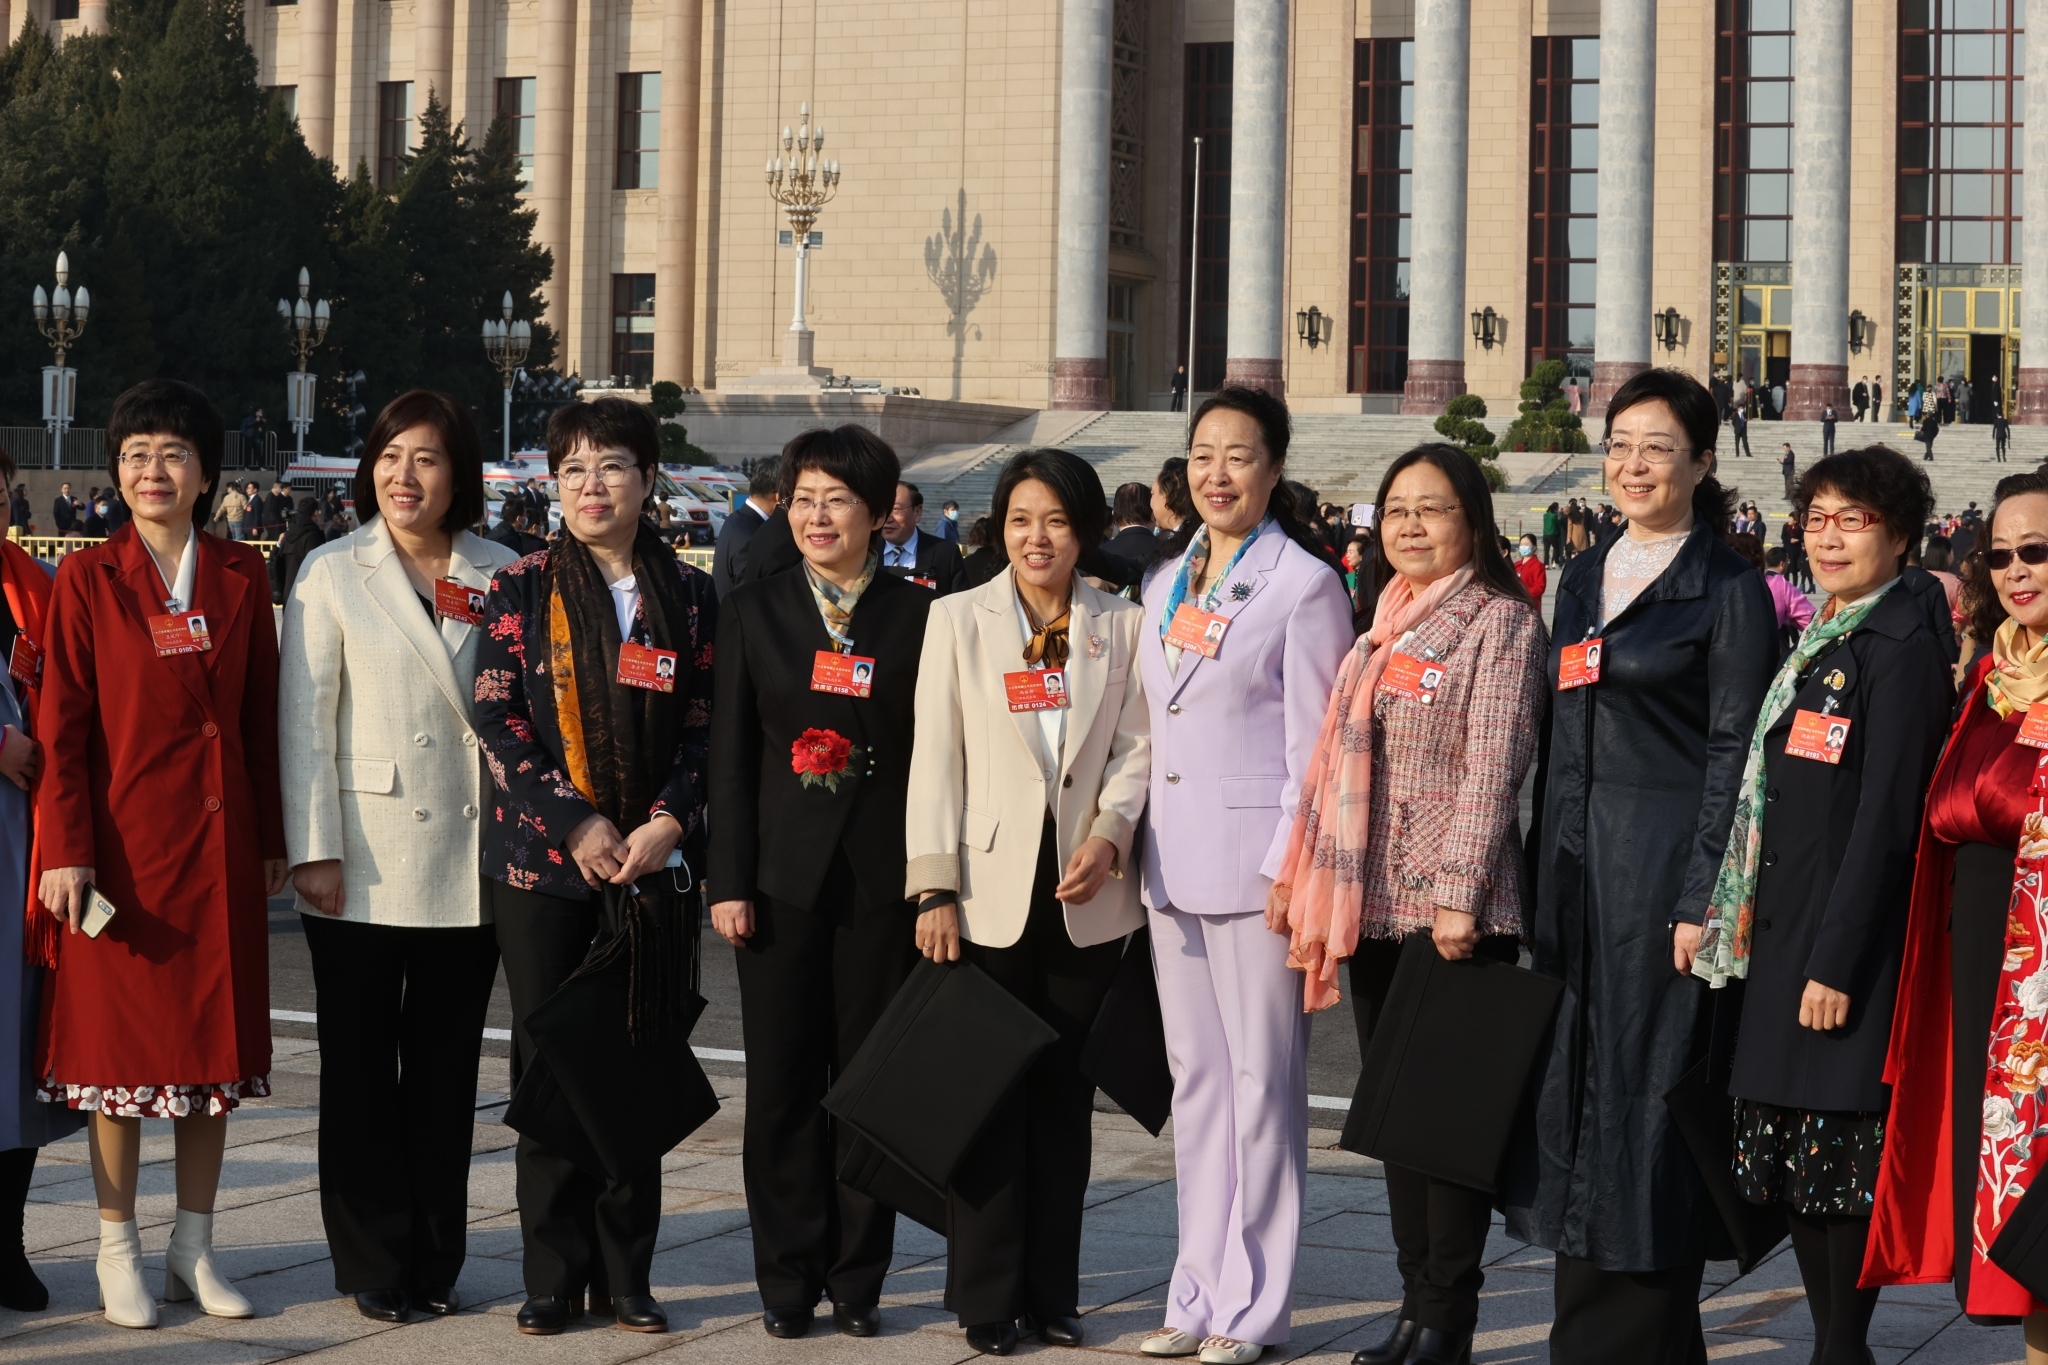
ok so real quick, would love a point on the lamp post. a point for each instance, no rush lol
(1489, 329)
(803, 184)
(60, 317)
(506, 342)
(1668, 328)
(306, 320)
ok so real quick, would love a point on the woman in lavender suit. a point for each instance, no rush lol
(1232, 733)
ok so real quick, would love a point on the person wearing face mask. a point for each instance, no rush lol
(1964, 1032)
(1431, 726)
(1246, 622)
(1529, 568)
(1810, 903)
(1026, 784)
(806, 876)
(1663, 641)
(376, 695)
(159, 794)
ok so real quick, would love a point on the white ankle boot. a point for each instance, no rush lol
(189, 1270)
(122, 1293)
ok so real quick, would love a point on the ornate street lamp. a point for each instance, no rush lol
(1489, 329)
(506, 342)
(1862, 332)
(1666, 326)
(1313, 326)
(803, 184)
(306, 322)
(60, 317)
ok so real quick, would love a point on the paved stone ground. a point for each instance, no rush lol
(271, 1245)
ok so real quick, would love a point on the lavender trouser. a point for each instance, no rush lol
(1237, 1041)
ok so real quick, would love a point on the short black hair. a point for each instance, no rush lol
(1697, 412)
(1133, 506)
(1878, 478)
(1173, 486)
(855, 456)
(766, 478)
(459, 442)
(916, 497)
(170, 407)
(607, 423)
(1072, 480)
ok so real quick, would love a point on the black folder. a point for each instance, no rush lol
(1126, 1049)
(866, 1169)
(1420, 1102)
(1704, 1115)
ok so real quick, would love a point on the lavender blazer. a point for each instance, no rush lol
(1232, 736)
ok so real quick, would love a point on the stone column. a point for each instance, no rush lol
(554, 94)
(1821, 89)
(433, 59)
(1080, 365)
(317, 20)
(675, 240)
(7, 33)
(1258, 195)
(2031, 405)
(92, 16)
(1628, 172)
(1436, 255)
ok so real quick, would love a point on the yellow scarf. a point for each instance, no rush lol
(2016, 680)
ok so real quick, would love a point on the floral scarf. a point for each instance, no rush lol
(1196, 557)
(1322, 876)
(1724, 943)
(2017, 679)
(836, 604)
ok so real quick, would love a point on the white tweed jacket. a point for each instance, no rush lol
(376, 747)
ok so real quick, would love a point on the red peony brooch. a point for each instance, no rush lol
(821, 757)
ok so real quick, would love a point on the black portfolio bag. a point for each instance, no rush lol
(1126, 1049)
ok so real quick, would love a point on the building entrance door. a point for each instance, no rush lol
(1964, 321)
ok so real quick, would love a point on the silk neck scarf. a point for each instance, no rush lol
(2018, 678)
(836, 604)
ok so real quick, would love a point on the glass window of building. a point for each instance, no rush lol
(1207, 116)
(394, 131)
(1960, 131)
(1564, 190)
(1123, 344)
(1384, 154)
(60, 10)
(639, 130)
(1753, 131)
(633, 330)
(515, 103)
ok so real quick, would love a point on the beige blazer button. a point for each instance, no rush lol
(419, 812)
(470, 740)
(1173, 777)
(420, 740)
(469, 812)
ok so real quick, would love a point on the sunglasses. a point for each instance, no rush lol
(2033, 552)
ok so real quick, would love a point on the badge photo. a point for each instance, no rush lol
(652, 669)
(457, 601)
(1818, 737)
(1578, 665)
(2034, 729)
(25, 661)
(1036, 689)
(1193, 628)
(181, 632)
(844, 675)
(1408, 676)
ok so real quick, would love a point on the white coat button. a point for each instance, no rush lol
(469, 812)
(1173, 777)
(470, 740)
(419, 812)
(1173, 708)
(420, 740)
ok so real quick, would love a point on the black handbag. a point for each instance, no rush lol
(1704, 1116)
(1125, 1054)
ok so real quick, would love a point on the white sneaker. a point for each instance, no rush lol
(1169, 1341)
(1228, 1351)
(123, 1294)
(189, 1270)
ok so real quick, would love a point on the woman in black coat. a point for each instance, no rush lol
(816, 690)
(1825, 879)
(1644, 754)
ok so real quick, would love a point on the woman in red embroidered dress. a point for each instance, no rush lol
(1967, 1032)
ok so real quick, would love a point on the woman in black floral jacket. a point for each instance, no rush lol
(593, 705)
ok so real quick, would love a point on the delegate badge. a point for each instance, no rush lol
(1193, 628)
(1578, 665)
(653, 669)
(1409, 676)
(181, 632)
(844, 675)
(1036, 689)
(1817, 737)
(2034, 729)
(931, 583)
(458, 601)
(25, 661)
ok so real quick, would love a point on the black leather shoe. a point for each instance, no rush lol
(993, 1338)
(787, 1323)
(1057, 1331)
(441, 1302)
(1392, 1351)
(640, 1313)
(384, 1305)
(19, 1287)
(545, 1315)
(857, 1321)
(1434, 1347)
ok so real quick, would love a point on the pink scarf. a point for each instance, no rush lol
(1322, 880)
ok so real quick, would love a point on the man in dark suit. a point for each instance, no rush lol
(2001, 435)
(64, 512)
(511, 530)
(1860, 397)
(1134, 541)
(907, 553)
(729, 561)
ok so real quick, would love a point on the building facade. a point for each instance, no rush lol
(1397, 200)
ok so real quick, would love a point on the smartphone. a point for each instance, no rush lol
(98, 910)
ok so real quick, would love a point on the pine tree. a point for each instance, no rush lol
(1547, 422)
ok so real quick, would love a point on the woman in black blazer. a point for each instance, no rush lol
(1830, 869)
(816, 688)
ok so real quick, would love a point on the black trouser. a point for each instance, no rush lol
(1830, 1253)
(1606, 1317)
(812, 983)
(1439, 1226)
(1983, 892)
(1014, 1212)
(401, 1020)
(579, 1231)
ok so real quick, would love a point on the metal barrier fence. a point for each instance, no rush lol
(86, 448)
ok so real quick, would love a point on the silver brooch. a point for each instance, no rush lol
(1240, 592)
(1097, 646)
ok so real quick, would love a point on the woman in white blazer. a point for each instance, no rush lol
(384, 791)
(1026, 783)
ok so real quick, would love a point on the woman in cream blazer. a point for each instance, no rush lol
(1027, 779)
(384, 791)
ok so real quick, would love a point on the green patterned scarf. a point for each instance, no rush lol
(1725, 938)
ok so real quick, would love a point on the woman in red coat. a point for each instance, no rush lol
(160, 791)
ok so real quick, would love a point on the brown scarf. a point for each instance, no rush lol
(1048, 643)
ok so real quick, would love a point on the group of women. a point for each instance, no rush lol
(1791, 881)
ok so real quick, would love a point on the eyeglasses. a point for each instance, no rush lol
(1428, 513)
(173, 457)
(1653, 452)
(1849, 519)
(611, 474)
(835, 506)
(2033, 552)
